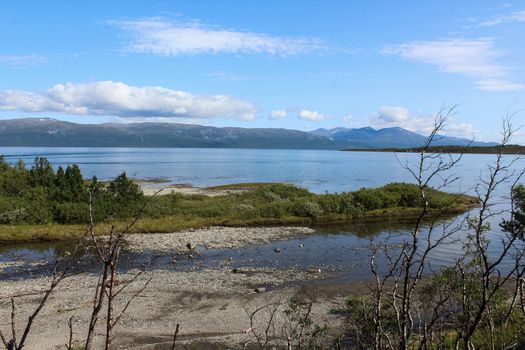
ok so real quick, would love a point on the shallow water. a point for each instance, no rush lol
(341, 251)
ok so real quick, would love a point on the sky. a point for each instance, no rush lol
(303, 65)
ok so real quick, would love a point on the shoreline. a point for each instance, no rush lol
(481, 150)
(197, 299)
(212, 198)
(50, 233)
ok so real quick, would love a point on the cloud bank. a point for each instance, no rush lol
(163, 37)
(393, 116)
(476, 59)
(108, 98)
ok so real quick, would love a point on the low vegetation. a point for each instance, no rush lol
(42, 204)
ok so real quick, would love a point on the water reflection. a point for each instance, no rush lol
(341, 250)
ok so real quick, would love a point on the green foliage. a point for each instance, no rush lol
(306, 208)
(13, 216)
(500, 326)
(360, 311)
(71, 213)
(302, 332)
(40, 195)
(516, 224)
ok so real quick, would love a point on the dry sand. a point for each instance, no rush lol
(150, 189)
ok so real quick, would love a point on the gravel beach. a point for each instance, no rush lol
(199, 300)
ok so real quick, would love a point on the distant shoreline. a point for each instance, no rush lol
(510, 149)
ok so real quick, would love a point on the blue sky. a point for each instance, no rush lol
(292, 64)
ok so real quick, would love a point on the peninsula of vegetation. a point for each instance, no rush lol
(507, 149)
(38, 203)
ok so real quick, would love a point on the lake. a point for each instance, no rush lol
(338, 248)
(318, 171)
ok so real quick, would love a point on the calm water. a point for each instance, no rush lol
(319, 171)
(340, 249)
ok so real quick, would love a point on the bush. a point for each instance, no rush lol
(281, 191)
(306, 208)
(330, 203)
(406, 195)
(347, 203)
(71, 213)
(13, 216)
(271, 210)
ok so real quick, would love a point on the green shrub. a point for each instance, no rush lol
(306, 208)
(330, 203)
(271, 210)
(71, 213)
(406, 195)
(347, 203)
(13, 216)
(369, 199)
(281, 191)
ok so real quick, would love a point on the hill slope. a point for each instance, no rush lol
(389, 138)
(46, 132)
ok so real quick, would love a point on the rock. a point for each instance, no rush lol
(301, 245)
(236, 270)
(277, 250)
(313, 270)
(260, 290)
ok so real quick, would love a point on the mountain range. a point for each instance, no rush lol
(48, 132)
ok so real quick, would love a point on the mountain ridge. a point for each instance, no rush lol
(49, 132)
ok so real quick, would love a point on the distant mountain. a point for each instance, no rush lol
(47, 132)
(50, 132)
(389, 138)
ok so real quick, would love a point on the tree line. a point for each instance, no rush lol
(40, 195)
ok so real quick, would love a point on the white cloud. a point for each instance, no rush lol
(476, 59)
(19, 61)
(118, 99)
(229, 77)
(277, 114)
(389, 117)
(162, 37)
(311, 115)
(517, 16)
(393, 114)
(498, 85)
